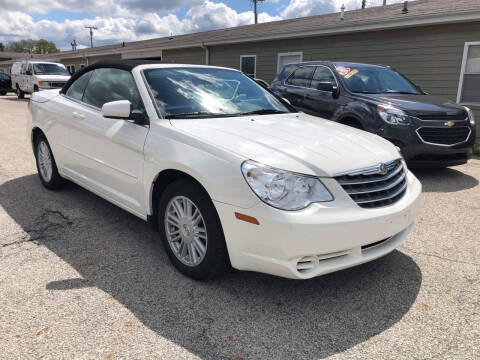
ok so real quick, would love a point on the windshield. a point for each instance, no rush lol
(376, 80)
(50, 69)
(209, 92)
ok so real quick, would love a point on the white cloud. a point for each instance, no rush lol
(301, 8)
(124, 8)
(201, 17)
(130, 20)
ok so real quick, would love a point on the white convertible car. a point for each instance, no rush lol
(226, 171)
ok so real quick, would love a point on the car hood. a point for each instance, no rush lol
(295, 142)
(417, 105)
(60, 78)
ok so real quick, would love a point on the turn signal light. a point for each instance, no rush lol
(249, 219)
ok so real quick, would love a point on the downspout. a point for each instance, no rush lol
(207, 53)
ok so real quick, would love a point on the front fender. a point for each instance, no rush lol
(217, 170)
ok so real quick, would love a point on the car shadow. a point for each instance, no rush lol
(244, 313)
(444, 180)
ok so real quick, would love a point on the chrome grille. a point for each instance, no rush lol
(443, 135)
(371, 188)
(57, 84)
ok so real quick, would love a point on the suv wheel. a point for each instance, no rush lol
(35, 88)
(46, 166)
(20, 93)
(191, 231)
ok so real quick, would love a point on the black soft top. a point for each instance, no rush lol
(127, 65)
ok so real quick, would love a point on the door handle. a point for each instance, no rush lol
(78, 116)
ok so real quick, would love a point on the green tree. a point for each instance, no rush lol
(41, 46)
(2, 47)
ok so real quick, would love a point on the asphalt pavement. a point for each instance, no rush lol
(83, 279)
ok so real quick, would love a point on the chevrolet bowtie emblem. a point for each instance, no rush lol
(449, 123)
(382, 169)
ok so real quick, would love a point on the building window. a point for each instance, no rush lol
(248, 65)
(288, 58)
(469, 86)
(71, 69)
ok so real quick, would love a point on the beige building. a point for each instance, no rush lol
(436, 44)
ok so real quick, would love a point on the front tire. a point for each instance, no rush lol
(20, 93)
(46, 166)
(191, 231)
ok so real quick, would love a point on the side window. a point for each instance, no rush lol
(108, 85)
(29, 68)
(301, 76)
(322, 75)
(23, 68)
(76, 90)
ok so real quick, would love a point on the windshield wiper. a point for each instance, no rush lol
(402, 92)
(196, 114)
(262, 112)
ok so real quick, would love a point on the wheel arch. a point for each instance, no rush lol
(351, 120)
(159, 184)
(35, 133)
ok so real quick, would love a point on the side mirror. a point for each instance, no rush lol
(120, 109)
(28, 72)
(325, 86)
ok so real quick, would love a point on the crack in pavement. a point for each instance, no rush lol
(441, 257)
(48, 220)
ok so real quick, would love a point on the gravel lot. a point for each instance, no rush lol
(80, 278)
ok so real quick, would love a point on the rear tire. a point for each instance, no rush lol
(20, 93)
(191, 231)
(46, 166)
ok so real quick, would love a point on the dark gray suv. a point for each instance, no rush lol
(430, 131)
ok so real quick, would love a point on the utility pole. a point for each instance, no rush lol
(91, 33)
(384, 2)
(255, 9)
(364, 4)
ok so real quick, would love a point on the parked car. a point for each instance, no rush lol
(5, 83)
(262, 83)
(429, 130)
(31, 76)
(227, 172)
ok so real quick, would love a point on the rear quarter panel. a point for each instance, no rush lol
(48, 114)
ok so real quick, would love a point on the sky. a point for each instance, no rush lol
(61, 21)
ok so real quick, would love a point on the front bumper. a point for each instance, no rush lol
(325, 237)
(418, 153)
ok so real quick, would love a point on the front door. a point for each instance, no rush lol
(107, 154)
(296, 84)
(319, 102)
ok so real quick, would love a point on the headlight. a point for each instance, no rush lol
(471, 117)
(392, 115)
(282, 189)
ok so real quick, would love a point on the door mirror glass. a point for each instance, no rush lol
(325, 86)
(120, 109)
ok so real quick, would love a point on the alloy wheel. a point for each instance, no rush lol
(186, 231)
(45, 161)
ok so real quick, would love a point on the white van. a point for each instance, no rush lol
(29, 76)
